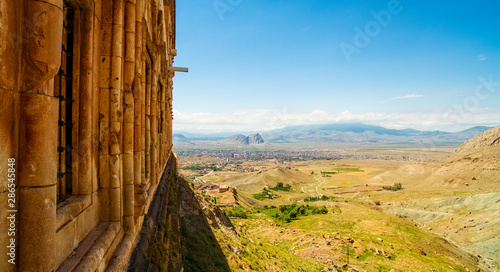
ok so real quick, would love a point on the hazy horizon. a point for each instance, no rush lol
(259, 65)
(247, 132)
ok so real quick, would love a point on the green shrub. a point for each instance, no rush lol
(237, 212)
(281, 187)
(396, 187)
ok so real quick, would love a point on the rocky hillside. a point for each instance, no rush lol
(486, 139)
(475, 164)
(240, 139)
(467, 212)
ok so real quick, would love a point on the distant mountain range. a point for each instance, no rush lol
(343, 133)
(361, 133)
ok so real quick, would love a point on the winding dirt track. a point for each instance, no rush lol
(317, 187)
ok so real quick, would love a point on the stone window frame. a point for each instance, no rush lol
(75, 204)
(66, 121)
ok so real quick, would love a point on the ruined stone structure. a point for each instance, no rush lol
(86, 112)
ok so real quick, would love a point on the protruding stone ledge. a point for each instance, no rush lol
(71, 208)
(93, 249)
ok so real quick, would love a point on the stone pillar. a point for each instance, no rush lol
(41, 58)
(10, 68)
(104, 108)
(37, 182)
(154, 122)
(116, 114)
(149, 74)
(85, 104)
(137, 91)
(128, 116)
(143, 95)
(37, 165)
(163, 121)
(169, 111)
(95, 98)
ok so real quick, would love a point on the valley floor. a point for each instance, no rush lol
(367, 227)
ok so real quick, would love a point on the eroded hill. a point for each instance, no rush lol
(458, 197)
(475, 164)
(254, 182)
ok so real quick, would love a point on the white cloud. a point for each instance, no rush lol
(407, 96)
(265, 120)
(481, 58)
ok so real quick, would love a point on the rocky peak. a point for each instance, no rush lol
(241, 139)
(255, 139)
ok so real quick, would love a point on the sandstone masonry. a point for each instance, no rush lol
(86, 111)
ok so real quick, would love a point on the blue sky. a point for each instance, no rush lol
(257, 65)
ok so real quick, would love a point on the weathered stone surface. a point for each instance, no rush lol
(128, 107)
(37, 228)
(137, 167)
(42, 39)
(65, 241)
(116, 73)
(6, 234)
(129, 199)
(104, 204)
(114, 204)
(128, 138)
(71, 208)
(8, 135)
(12, 39)
(114, 171)
(105, 74)
(86, 221)
(38, 140)
(115, 109)
(111, 135)
(128, 169)
(130, 50)
(114, 138)
(103, 137)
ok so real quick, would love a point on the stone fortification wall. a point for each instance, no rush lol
(86, 120)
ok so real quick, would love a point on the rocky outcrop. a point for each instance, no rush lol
(491, 137)
(240, 139)
(474, 164)
(255, 139)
